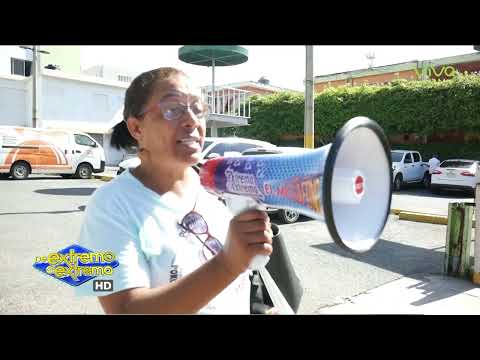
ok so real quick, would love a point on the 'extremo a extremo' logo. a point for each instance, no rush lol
(76, 265)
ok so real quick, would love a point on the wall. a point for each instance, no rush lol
(14, 101)
(84, 104)
(109, 72)
(256, 90)
(65, 99)
(368, 80)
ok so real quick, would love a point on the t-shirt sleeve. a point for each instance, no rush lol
(107, 227)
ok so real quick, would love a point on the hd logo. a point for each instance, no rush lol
(102, 285)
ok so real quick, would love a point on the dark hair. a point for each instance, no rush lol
(136, 97)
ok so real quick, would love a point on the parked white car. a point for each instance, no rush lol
(456, 174)
(212, 147)
(408, 168)
(130, 162)
(228, 146)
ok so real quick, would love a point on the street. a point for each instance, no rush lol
(43, 214)
(418, 199)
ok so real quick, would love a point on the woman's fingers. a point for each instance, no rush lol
(252, 215)
(260, 249)
(255, 226)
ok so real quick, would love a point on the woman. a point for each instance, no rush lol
(179, 249)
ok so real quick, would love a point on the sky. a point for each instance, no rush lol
(284, 66)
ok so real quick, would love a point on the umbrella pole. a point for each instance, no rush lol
(213, 128)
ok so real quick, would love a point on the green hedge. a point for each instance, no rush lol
(421, 107)
(444, 150)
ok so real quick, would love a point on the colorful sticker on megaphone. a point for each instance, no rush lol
(267, 184)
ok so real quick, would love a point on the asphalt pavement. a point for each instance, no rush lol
(403, 273)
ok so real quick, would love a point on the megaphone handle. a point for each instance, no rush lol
(238, 204)
(258, 262)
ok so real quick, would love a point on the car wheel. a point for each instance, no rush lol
(20, 171)
(288, 216)
(397, 183)
(84, 171)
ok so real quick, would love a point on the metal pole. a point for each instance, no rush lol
(213, 86)
(244, 99)
(34, 86)
(476, 251)
(309, 132)
(213, 127)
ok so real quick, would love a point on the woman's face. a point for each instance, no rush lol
(169, 133)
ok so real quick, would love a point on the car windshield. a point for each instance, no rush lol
(462, 164)
(396, 156)
(206, 144)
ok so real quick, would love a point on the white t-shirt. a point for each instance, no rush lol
(433, 164)
(141, 228)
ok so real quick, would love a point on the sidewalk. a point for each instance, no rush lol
(426, 294)
(109, 173)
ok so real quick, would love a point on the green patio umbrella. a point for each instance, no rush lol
(213, 55)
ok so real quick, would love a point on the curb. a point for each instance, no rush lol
(422, 217)
(476, 278)
(425, 218)
(104, 177)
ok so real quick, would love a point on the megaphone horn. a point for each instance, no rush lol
(347, 184)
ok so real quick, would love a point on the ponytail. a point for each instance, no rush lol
(121, 137)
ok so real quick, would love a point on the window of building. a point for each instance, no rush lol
(124, 78)
(20, 67)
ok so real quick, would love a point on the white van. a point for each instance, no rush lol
(25, 151)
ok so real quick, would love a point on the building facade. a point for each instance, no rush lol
(230, 103)
(438, 69)
(68, 97)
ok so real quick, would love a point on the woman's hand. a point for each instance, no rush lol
(249, 234)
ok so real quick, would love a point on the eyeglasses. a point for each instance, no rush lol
(174, 110)
(194, 223)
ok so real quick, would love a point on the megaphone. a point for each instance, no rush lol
(347, 183)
